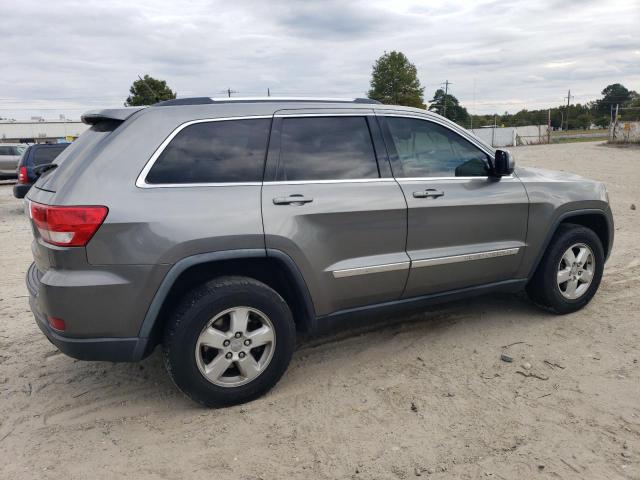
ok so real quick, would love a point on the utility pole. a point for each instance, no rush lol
(446, 92)
(568, 97)
(474, 103)
(229, 92)
(493, 131)
(268, 92)
(549, 126)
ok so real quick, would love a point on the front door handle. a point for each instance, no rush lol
(428, 193)
(295, 199)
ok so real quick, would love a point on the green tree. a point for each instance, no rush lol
(147, 91)
(454, 110)
(612, 95)
(616, 93)
(394, 81)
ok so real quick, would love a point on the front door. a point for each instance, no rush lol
(326, 204)
(465, 228)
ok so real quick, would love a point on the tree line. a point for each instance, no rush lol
(394, 81)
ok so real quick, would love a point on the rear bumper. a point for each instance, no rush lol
(21, 189)
(120, 349)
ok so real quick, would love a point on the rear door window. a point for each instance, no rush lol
(42, 156)
(229, 151)
(326, 148)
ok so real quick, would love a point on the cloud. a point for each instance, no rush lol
(72, 55)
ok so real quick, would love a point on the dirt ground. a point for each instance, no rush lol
(425, 396)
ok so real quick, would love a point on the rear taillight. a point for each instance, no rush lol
(22, 175)
(67, 226)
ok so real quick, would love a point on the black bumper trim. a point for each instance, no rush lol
(21, 189)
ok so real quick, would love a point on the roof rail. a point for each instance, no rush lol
(209, 100)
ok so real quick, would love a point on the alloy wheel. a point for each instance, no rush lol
(235, 346)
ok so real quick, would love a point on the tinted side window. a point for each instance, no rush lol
(326, 148)
(214, 152)
(43, 156)
(8, 151)
(426, 149)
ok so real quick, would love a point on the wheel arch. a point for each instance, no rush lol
(594, 219)
(272, 267)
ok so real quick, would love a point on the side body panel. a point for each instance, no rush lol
(474, 234)
(347, 227)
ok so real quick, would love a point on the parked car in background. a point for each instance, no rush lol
(35, 156)
(9, 156)
(217, 228)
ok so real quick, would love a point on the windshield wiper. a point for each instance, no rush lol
(44, 168)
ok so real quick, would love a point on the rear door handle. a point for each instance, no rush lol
(295, 199)
(428, 193)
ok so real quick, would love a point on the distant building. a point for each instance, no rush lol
(40, 131)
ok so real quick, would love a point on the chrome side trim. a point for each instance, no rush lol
(389, 267)
(418, 179)
(141, 180)
(347, 180)
(468, 257)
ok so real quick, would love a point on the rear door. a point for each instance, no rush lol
(330, 203)
(465, 228)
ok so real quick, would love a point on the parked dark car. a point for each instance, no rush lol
(35, 156)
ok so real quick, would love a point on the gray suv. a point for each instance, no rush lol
(220, 228)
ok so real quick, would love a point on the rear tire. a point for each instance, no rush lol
(228, 341)
(570, 271)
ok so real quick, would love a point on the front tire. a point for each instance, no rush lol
(570, 271)
(228, 341)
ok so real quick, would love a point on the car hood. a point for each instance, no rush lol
(565, 185)
(542, 175)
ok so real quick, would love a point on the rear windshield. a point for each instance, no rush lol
(46, 155)
(76, 153)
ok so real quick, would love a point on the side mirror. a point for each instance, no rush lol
(503, 164)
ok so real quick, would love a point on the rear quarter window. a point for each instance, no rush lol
(227, 151)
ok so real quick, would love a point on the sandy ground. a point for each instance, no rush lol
(427, 396)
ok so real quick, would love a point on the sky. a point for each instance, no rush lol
(68, 56)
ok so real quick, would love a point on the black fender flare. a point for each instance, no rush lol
(182, 265)
(561, 218)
